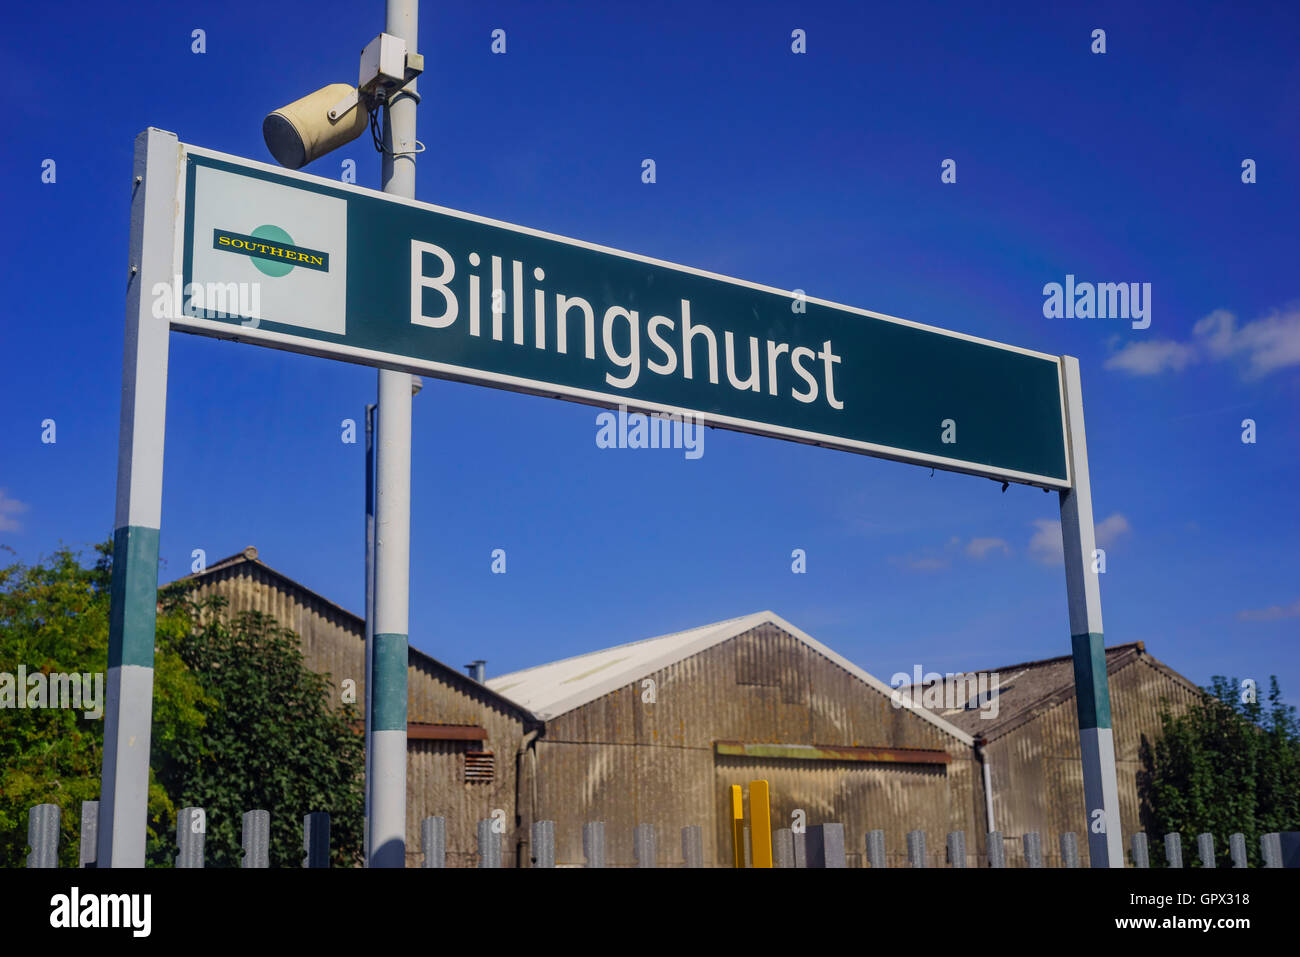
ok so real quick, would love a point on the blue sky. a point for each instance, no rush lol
(818, 171)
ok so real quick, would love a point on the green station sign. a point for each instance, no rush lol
(331, 269)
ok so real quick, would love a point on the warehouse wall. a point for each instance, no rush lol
(333, 642)
(898, 798)
(332, 637)
(1037, 768)
(435, 774)
(626, 762)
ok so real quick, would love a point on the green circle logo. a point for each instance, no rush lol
(272, 267)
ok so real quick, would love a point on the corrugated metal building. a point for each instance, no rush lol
(655, 732)
(1032, 744)
(463, 739)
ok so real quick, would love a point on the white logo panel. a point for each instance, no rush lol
(230, 203)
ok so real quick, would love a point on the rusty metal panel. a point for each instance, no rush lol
(444, 732)
(810, 752)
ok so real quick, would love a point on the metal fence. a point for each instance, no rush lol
(819, 845)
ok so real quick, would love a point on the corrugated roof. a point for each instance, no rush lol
(1028, 688)
(558, 687)
(249, 556)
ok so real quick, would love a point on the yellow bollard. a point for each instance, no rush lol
(737, 827)
(760, 824)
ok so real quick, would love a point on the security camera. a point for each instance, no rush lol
(337, 114)
(309, 128)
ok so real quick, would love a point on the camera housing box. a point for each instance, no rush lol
(383, 67)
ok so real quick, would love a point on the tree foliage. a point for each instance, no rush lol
(239, 722)
(54, 619)
(1227, 765)
(270, 741)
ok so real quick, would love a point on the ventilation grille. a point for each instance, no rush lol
(479, 766)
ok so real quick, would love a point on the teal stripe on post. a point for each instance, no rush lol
(1090, 680)
(388, 700)
(133, 596)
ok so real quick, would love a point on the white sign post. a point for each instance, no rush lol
(129, 709)
(1091, 687)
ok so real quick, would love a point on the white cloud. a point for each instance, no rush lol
(980, 547)
(921, 564)
(1267, 344)
(9, 509)
(933, 559)
(1152, 358)
(1047, 546)
(1262, 346)
(1271, 613)
(1216, 331)
(1109, 530)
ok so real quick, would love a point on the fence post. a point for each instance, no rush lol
(738, 839)
(1270, 847)
(956, 848)
(693, 845)
(89, 853)
(783, 847)
(814, 848)
(1069, 849)
(489, 845)
(876, 848)
(1141, 858)
(1173, 849)
(643, 845)
(593, 843)
(433, 841)
(257, 839)
(760, 819)
(1237, 849)
(916, 848)
(833, 846)
(996, 850)
(543, 844)
(800, 842)
(1033, 843)
(191, 830)
(1205, 849)
(43, 835)
(1288, 848)
(316, 839)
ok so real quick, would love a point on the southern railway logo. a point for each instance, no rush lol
(271, 249)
